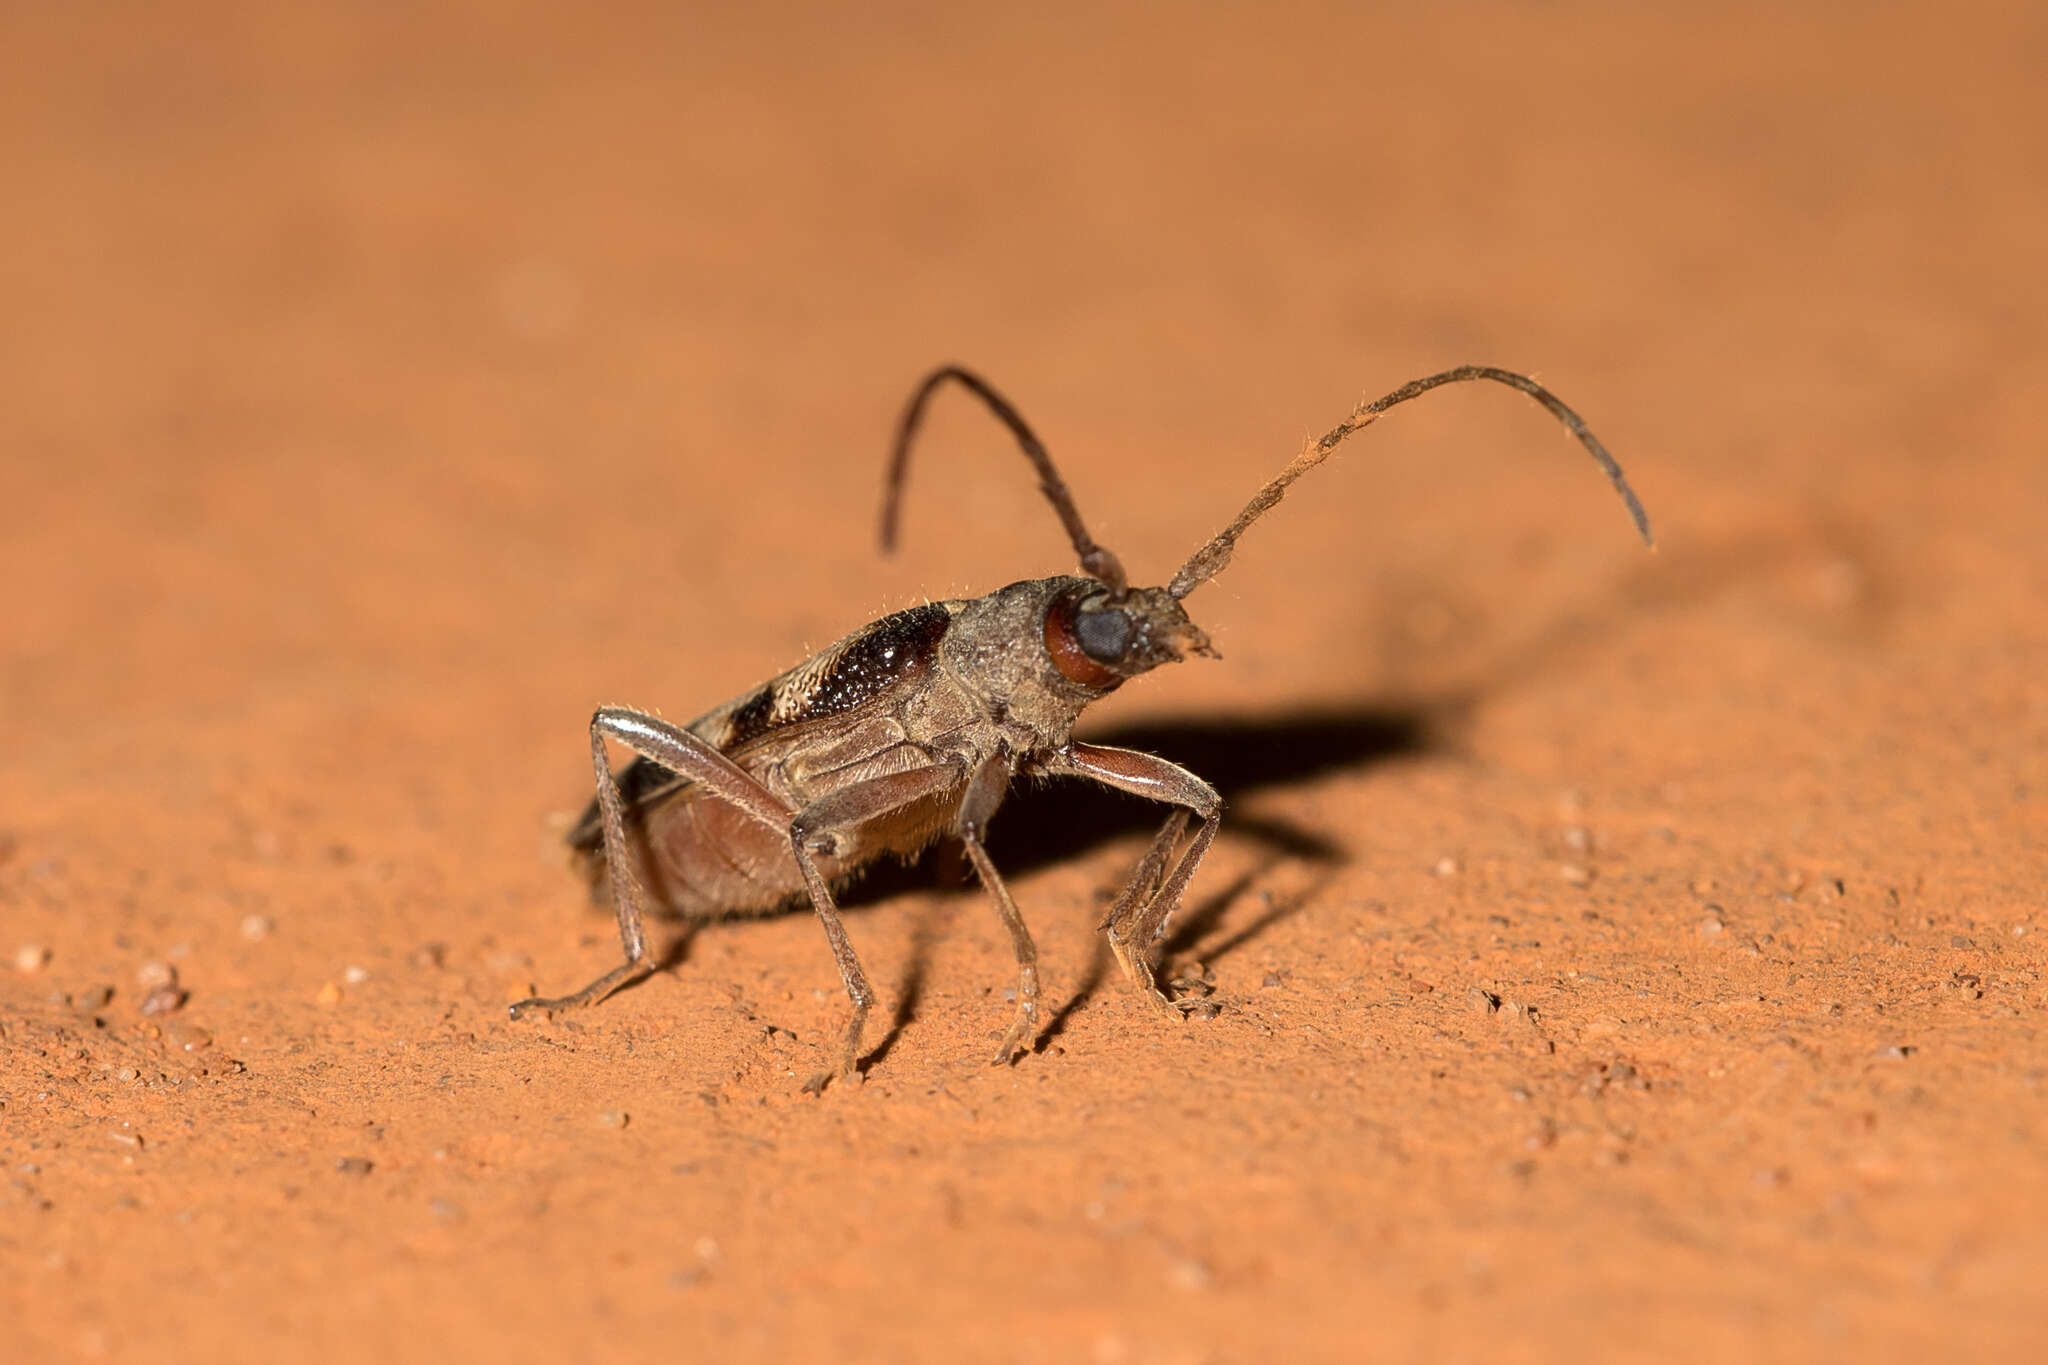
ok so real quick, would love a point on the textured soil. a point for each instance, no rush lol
(1612, 954)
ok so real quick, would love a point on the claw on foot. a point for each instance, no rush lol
(627, 972)
(846, 1075)
(1172, 1008)
(1017, 1041)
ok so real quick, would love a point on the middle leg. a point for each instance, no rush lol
(984, 793)
(821, 827)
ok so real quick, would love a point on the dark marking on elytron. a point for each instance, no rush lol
(752, 717)
(895, 650)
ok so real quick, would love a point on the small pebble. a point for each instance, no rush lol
(355, 1165)
(162, 1000)
(614, 1118)
(355, 976)
(152, 975)
(256, 928)
(1446, 867)
(126, 1136)
(93, 997)
(127, 1075)
(1575, 874)
(30, 957)
(329, 994)
(1711, 927)
(1578, 839)
(188, 1038)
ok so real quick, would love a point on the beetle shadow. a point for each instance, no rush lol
(1052, 822)
(1237, 755)
(1046, 823)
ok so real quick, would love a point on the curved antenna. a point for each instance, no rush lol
(1096, 561)
(1205, 563)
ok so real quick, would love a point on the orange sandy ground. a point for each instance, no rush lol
(383, 391)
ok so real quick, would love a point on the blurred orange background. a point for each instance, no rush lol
(1615, 955)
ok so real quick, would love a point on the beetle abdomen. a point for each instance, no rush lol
(700, 856)
(706, 859)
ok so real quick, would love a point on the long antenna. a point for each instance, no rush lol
(1096, 561)
(1205, 563)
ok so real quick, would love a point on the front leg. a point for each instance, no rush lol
(1138, 918)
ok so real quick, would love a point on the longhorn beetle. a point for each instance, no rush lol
(913, 728)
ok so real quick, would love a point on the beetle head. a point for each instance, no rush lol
(1097, 638)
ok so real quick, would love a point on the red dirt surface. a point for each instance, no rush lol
(1616, 955)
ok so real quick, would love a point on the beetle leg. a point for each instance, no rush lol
(684, 753)
(984, 793)
(1145, 877)
(815, 829)
(1148, 926)
(681, 752)
(1139, 916)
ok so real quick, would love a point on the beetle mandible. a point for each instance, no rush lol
(912, 728)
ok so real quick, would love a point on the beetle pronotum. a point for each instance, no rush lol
(913, 727)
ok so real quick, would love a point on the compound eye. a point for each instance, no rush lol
(1104, 634)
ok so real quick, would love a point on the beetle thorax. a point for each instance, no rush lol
(1036, 653)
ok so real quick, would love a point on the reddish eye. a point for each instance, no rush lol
(1080, 643)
